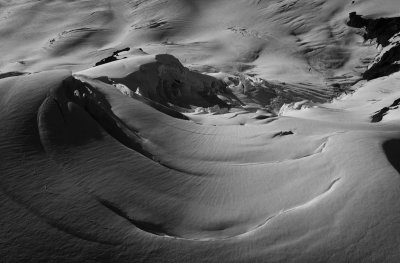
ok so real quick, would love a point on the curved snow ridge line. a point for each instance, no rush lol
(144, 226)
(182, 171)
(320, 149)
(301, 206)
(156, 230)
(57, 224)
(39, 114)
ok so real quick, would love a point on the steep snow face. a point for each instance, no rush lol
(229, 148)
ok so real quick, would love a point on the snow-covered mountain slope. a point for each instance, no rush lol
(209, 131)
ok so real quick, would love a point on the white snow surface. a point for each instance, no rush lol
(94, 168)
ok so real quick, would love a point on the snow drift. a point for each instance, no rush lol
(260, 136)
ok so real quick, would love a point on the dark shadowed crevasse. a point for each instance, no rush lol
(11, 74)
(112, 58)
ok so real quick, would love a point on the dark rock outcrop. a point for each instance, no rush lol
(381, 29)
(378, 116)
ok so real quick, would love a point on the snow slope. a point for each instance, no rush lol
(131, 161)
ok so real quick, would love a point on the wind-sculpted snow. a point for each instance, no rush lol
(255, 139)
(95, 169)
